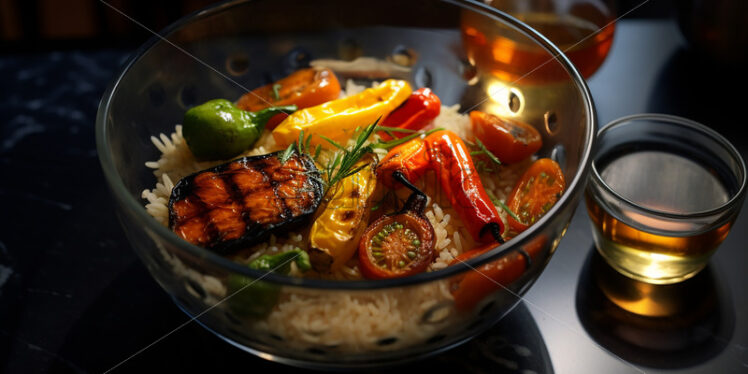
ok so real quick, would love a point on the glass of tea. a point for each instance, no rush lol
(663, 194)
(582, 29)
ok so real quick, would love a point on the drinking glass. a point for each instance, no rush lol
(663, 194)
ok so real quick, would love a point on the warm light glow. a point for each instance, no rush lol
(503, 50)
(500, 94)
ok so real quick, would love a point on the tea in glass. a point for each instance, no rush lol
(663, 195)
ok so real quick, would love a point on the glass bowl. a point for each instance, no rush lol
(324, 323)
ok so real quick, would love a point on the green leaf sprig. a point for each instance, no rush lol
(482, 150)
(276, 94)
(342, 164)
(495, 200)
(395, 142)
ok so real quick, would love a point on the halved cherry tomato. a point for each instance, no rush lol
(303, 88)
(469, 288)
(535, 193)
(509, 140)
(399, 244)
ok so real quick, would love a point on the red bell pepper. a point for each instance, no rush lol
(414, 114)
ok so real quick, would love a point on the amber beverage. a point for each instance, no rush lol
(511, 56)
(663, 194)
(648, 256)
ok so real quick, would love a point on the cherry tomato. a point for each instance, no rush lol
(535, 193)
(303, 88)
(397, 245)
(509, 140)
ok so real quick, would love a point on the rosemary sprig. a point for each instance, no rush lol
(509, 211)
(484, 151)
(334, 143)
(395, 129)
(287, 153)
(481, 166)
(342, 165)
(317, 152)
(396, 142)
(495, 200)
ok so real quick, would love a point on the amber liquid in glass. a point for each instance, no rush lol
(511, 56)
(668, 183)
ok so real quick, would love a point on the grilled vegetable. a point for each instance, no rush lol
(255, 298)
(511, 141)
(399, 244)
(472, 286)
(421, 108)
(239, 203)
(218, 130)
(535, 193)
(337, 229)
(338, 119)
(446, 154)
(303, 88)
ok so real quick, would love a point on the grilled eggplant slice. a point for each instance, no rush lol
(240, 203)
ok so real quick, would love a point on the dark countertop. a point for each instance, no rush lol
(74, 297)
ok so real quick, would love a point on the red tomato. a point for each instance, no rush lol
(511, 141)
(535, 193)
(396, 246)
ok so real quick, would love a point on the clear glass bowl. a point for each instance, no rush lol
(217, 51)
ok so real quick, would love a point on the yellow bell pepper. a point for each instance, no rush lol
(338, 228)
(339, 118)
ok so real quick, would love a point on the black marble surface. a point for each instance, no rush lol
(74, 298)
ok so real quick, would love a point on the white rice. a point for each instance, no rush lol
(352, 321)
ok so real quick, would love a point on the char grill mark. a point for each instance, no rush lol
(237, 204)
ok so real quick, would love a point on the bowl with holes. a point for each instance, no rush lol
(323, 322)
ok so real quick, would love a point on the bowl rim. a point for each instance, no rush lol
(597, 180)
(129, 202)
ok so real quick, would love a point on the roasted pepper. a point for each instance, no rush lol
(255, 298)
(303, 88)
(337, 229)
(218, 130)
(338, 119)
(414, 114)
(472, 286)
(447, 155)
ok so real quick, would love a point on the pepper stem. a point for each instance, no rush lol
(400, 177)
(262, 117)
(417, 200)
(495, 231)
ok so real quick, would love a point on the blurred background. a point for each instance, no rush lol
(38, 25)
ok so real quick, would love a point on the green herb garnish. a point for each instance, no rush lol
(287, 153)
(317, 152)
(495, 200)
(484, 151)
(342, 165)
(390, 130)
(276, 95)
(396, 142)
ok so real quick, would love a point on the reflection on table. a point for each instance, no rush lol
(661, 326)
